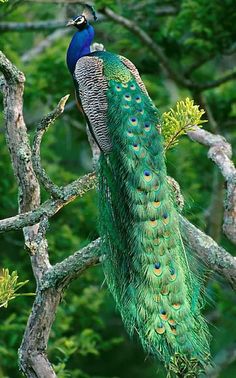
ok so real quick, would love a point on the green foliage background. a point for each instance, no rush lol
(88, 339)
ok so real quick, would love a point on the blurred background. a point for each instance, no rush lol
(198, 38)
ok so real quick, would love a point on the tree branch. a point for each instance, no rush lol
(61, 274)
(17, 140)
(162, 58)
(30, 26)
(220, 153)
(30, 54)
(50, 207)
(32, 356)
(149, 42)
(42, 176)
(32, 352)
(20, 152)
(209, 251)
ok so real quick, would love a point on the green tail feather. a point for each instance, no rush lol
(146, 265)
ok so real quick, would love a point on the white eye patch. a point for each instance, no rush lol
(79, 20)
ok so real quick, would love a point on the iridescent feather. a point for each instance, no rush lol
(146, 265)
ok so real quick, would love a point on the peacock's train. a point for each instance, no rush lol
(146, 265)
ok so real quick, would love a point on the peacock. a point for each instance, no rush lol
(146, 265)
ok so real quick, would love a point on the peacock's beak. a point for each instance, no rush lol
(70, 23)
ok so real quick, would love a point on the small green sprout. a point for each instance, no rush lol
(9, 286)
(180, 120)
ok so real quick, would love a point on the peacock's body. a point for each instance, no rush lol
(146, 267)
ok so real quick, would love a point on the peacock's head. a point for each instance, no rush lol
(82, 21)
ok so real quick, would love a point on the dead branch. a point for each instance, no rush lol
(220, 152)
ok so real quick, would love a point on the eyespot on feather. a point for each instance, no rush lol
(161, 329)
(136, 147)
(118, 88)
(163, 315)
(176, 306)
(126, 106)
(153, 222)
(129, 133)
(156, 188)
(165, 291)
(133, 121)
(156, 204)
(147, 127)
(127, 97)
(147, 175)
(157, 269)
(172, 274)
(165, 219)
(173, 330)
(156, 241)
(172, 322)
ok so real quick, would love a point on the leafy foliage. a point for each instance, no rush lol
(184, 367)
(9, 287)
(179, 121)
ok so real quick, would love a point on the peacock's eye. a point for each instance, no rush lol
(80, 20)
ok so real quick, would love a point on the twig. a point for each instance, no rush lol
(50, 207)
(29, 26)
(29, 55)
(220, 153)
(42, 176)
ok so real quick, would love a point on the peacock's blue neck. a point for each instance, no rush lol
(79, 46)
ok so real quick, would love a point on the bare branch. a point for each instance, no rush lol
(42, 176)
(209, 251)
(32, 353)
(220, 153)
(50, 207)
(19, 148)
(61, 274)
(216, 83)
(29, 26)
(29, 55)
(160, 11)
(17, 139)
(10, 72)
